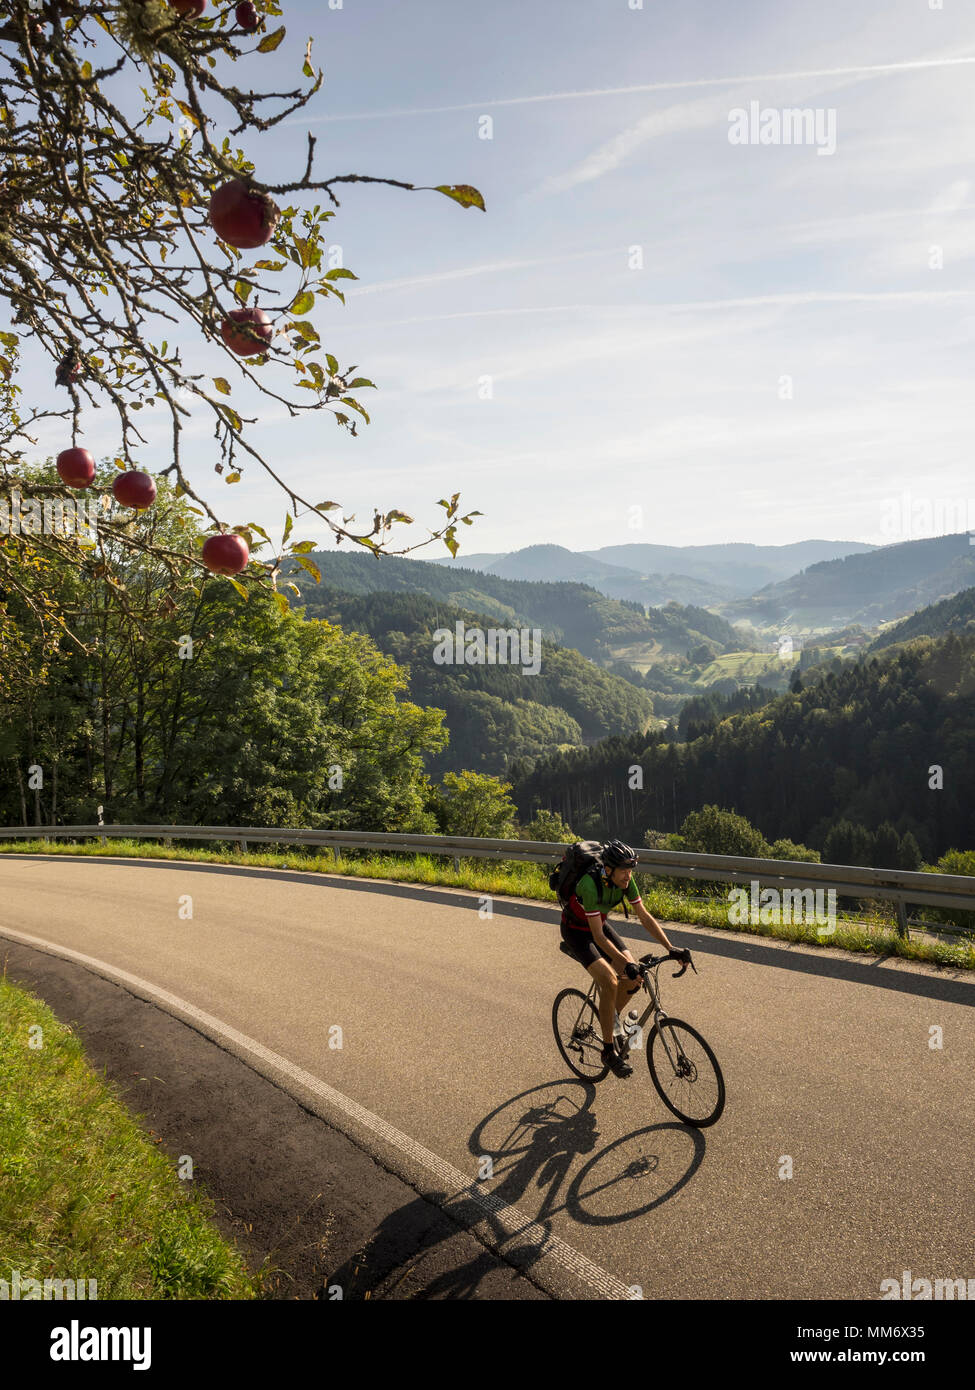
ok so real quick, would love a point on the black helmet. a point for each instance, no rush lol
(616, 855)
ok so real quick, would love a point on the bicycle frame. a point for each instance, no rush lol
(649, 983)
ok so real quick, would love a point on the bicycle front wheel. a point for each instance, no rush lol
(686, 1073)
(575, 1023)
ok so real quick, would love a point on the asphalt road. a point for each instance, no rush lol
(448, 1077)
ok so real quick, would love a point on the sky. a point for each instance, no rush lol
(653, 334)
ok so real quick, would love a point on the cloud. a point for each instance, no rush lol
(788, 300)
(463, 272)
(860, 70)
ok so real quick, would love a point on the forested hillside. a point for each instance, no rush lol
(870, 588)
(494, 713)
(573, 615)
(856, 744)
(955, 614)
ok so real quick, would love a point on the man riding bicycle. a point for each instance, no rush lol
(598, 948)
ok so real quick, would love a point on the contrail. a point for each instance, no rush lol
(787, 300)
(859, 71)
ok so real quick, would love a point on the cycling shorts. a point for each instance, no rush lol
(583, 946)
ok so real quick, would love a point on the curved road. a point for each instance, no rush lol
(448, 1070)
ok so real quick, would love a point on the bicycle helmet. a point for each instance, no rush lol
(616, 855)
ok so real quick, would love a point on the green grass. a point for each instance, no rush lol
(873, 931)
(84, 1192)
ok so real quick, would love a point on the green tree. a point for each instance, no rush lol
(211, 710)
(713, 830)
(548, 827)
(910, 853)
(788, 849)
(886, 847)
(472, 803)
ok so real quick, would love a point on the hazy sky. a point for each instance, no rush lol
(525, 358)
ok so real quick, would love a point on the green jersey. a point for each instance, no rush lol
(586, 899)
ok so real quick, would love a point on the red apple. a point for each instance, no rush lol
(225, 554)
(76, 467)
(253, 335)
(134, 489)
(247, 16)
(242, 217)
(190, 7)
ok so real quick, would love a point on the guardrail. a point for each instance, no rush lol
(903, 886)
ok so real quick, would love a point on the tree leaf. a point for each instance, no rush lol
(288, 523)
(311, 567)
(189, 113)
(462, 193)
(222, 385)
(307, 330)
(303, 303)
(271, 41)
(238, 586)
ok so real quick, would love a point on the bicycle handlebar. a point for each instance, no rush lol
(650, 962)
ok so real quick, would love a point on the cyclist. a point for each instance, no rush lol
(598, 947)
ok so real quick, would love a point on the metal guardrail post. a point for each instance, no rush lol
(456, 865)
(902, 927)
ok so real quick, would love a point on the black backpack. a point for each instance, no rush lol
(584, 857)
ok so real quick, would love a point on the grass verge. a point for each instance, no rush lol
(84, 1192)
(873, 931)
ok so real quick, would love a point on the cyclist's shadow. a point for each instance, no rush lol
(558, 1132)
(518, 1148)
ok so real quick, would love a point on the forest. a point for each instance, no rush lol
(888, 738)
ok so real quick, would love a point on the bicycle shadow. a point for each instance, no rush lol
(525, 1144)
(655, 1161)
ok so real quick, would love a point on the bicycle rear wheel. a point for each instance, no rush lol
(575, 1023)
(689, 1080)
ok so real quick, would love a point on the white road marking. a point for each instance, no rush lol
(505, 1213)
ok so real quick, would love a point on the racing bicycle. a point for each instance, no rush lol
(683, 1067)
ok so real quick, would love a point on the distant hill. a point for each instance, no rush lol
(705, 575)
(955, 614)
(889, 582)
(571, 614)
(553, 563)
(495, 713)
(737, 565)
